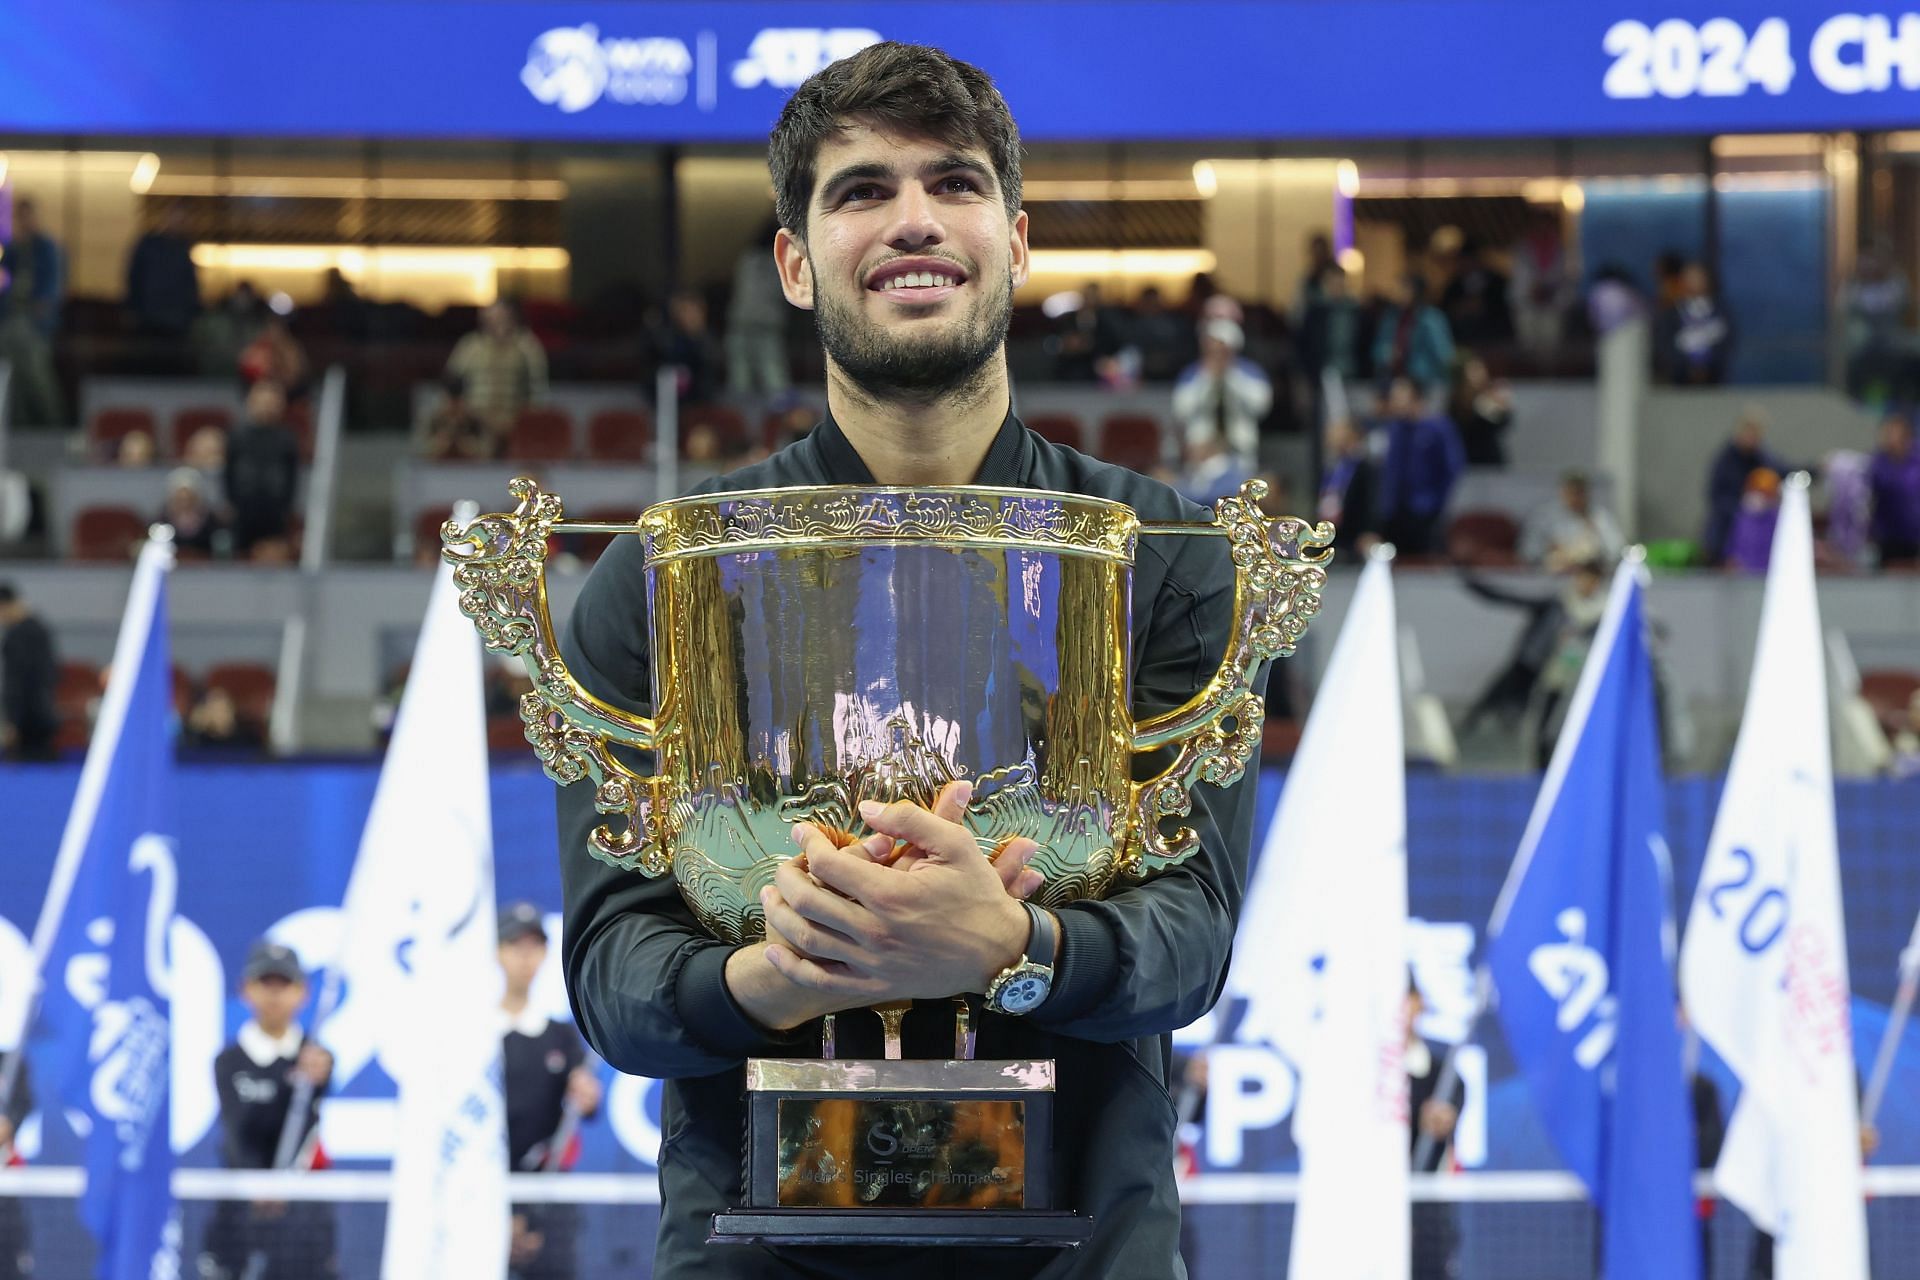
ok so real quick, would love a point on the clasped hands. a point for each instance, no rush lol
(911, 912)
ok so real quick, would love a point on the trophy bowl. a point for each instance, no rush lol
(813, 648)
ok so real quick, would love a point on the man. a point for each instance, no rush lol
(1693, 339)
(1221, 398)
(263, 477)
(1421, 458)
(1546, 659)
(28, 673)
(1346, 490)
(897, 183)
(550, 1089)
(32, 283)
(1894, 477)
(256, 1077)
(502, 367)
(1436, 1237)
(1559, 535)
(1739, 457)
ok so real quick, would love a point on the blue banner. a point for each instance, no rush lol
(1583, 965)
(1214, 70)
(105, 1026)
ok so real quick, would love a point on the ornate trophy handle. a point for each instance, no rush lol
(500, 567)
(1279, 568)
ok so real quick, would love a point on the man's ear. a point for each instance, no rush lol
(796, 274)
(1021, 256)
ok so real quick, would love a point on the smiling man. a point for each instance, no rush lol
(897, 184)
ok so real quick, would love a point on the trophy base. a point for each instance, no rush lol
(1033, 1228)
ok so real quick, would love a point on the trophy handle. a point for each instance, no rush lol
(500, 568)
(1279, 568)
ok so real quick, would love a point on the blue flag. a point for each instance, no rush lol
(1582, 961)
(101, 1038)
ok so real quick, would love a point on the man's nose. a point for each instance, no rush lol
(916, 219)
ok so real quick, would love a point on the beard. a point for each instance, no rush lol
(889, 365)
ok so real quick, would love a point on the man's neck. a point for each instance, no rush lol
(513, 1003)
(910, 443)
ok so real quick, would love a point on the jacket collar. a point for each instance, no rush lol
(1009, 462)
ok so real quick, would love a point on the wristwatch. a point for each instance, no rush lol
(1021, 987)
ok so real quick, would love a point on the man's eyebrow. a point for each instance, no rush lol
(865, 170)
(871, 170)
(959, 164)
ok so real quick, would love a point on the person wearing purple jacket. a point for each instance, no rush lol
(1420, 459)
(1895, 481)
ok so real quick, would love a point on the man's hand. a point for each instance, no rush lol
(940, 921)
(6, 1132)
(1437, 1119)
(583, 1091)
(315, 1063)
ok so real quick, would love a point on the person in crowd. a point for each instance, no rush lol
(686, 343)
(1435, 1116)
(28, 673)
(1906, 742)
(1693, 339)
(1210, 471)
(1750, 540)
(16, 1240)
(344, 312)
(1481, 407)
(1223, 396)
(1347, 489)
(1475, 300)
(206, 452)
(1613, 299)
(1880, 347)
(1540, 287)
(550, 1089)
(33, 284)
(1163, 339)
(1085, 337)
(1570, 529)
(455, 431)
(194, 517)
(502, 367)
(275, 355)
(221, 332)
(163, 286)
(1846, 542)
(262, 476)
(1895, 480)
(257, 1077)
(214, 723)
(135, 451)
(757, 323)
(1413, 339)
(1545, 662)
(1743, 453)
(1420, 461)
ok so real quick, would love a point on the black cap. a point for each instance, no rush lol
(522, 920)
(274, 960)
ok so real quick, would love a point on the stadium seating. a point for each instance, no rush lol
(250, 685)
(108, 427)
(1486, 538)
(1889, 693)
(620, 435)
(193, 418)
(106, 534)
(541, 434)
(1061, 428)
(1132, 440)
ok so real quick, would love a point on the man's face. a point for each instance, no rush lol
(1403, 400)
(521, 959)
(910, 261)
(497, 321)
(273, 1001)
(1896, 437)
(1574, 498)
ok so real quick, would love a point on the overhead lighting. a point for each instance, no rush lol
(300, 187)
(1352, 261)
(1346, 178)
(1205, 180)
(1102, 190)
(1095, 263)
(1573, 197)
(1768, 144)
(145, 170)
(465, 273)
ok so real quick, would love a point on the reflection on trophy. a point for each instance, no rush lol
(814, 648)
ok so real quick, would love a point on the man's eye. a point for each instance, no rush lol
(957, 185)
(865, 191)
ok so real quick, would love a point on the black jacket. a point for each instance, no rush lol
(253, 1107)
(28, 674)
(648, 989)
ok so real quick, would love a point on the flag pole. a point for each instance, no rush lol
(1896, 1027)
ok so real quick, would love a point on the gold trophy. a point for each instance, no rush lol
(814, 648)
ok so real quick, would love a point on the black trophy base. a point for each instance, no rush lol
(1034, 1228)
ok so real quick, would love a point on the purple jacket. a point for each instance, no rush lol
(1896, 499)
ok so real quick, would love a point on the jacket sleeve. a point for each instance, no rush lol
(646, 983)
(1151, 957)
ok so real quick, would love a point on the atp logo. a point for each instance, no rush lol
(783, 57)
(1576, 977)
(573, 68)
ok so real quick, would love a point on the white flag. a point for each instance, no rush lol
(1763, 971)
(420, 937)
(1322, 953)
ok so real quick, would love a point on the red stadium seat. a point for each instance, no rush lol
(107, 534)
(110, 426)
(1490, 538)
(1132, 440)
(426, 534)
(507, 736)
(589, 546)
(541, 434)
(250, 685)
(300, 422)
(1889, 693)
(1060, 428)
(74, 690)
(193, 418)
(726, 422)
(620, 435)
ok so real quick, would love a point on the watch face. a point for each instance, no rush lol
(1023, 993)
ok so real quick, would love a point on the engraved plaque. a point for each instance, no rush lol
(877, 1152)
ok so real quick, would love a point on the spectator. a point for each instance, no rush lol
(1613, 299)
(1223, 396)
(1475, 301)
(1482, 409)
(275, 355)
(757, 322)
(215, 723)
(1750, 540)
(28, 673)
(262, 475)
(1741, 455)
(502, 367)
(1435, 1243)
(163, 287)
(1164, 341)
(1880, 350)
(1895, 480)
(135, 451)
(687, 344)
(32, 285)
(1420, 460)
(341, 309)
(191, 514)
(1570, 529)
(1085, 337)
(1540, 286)
(222, 333)
(1347, 489)
(1330, 339)
(455, 431)
(1413, 339)
(1848, 473)
(1211, 471)
(1693, 340)
(1545, 663)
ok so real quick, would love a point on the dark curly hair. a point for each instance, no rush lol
(907, 88)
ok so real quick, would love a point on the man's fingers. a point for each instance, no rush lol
(951, 803)
(1011, 859)
(849, 873)
(821, 941)
(1027, 885)
(907, 821)
(816, 976)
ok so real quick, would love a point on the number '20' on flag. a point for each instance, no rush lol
(1581, 963)
(102, 1035)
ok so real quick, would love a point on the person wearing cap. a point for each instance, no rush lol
(1220, 399)
(256, 1076)
(550, 1089)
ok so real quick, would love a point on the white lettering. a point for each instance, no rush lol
(1247, 1088)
